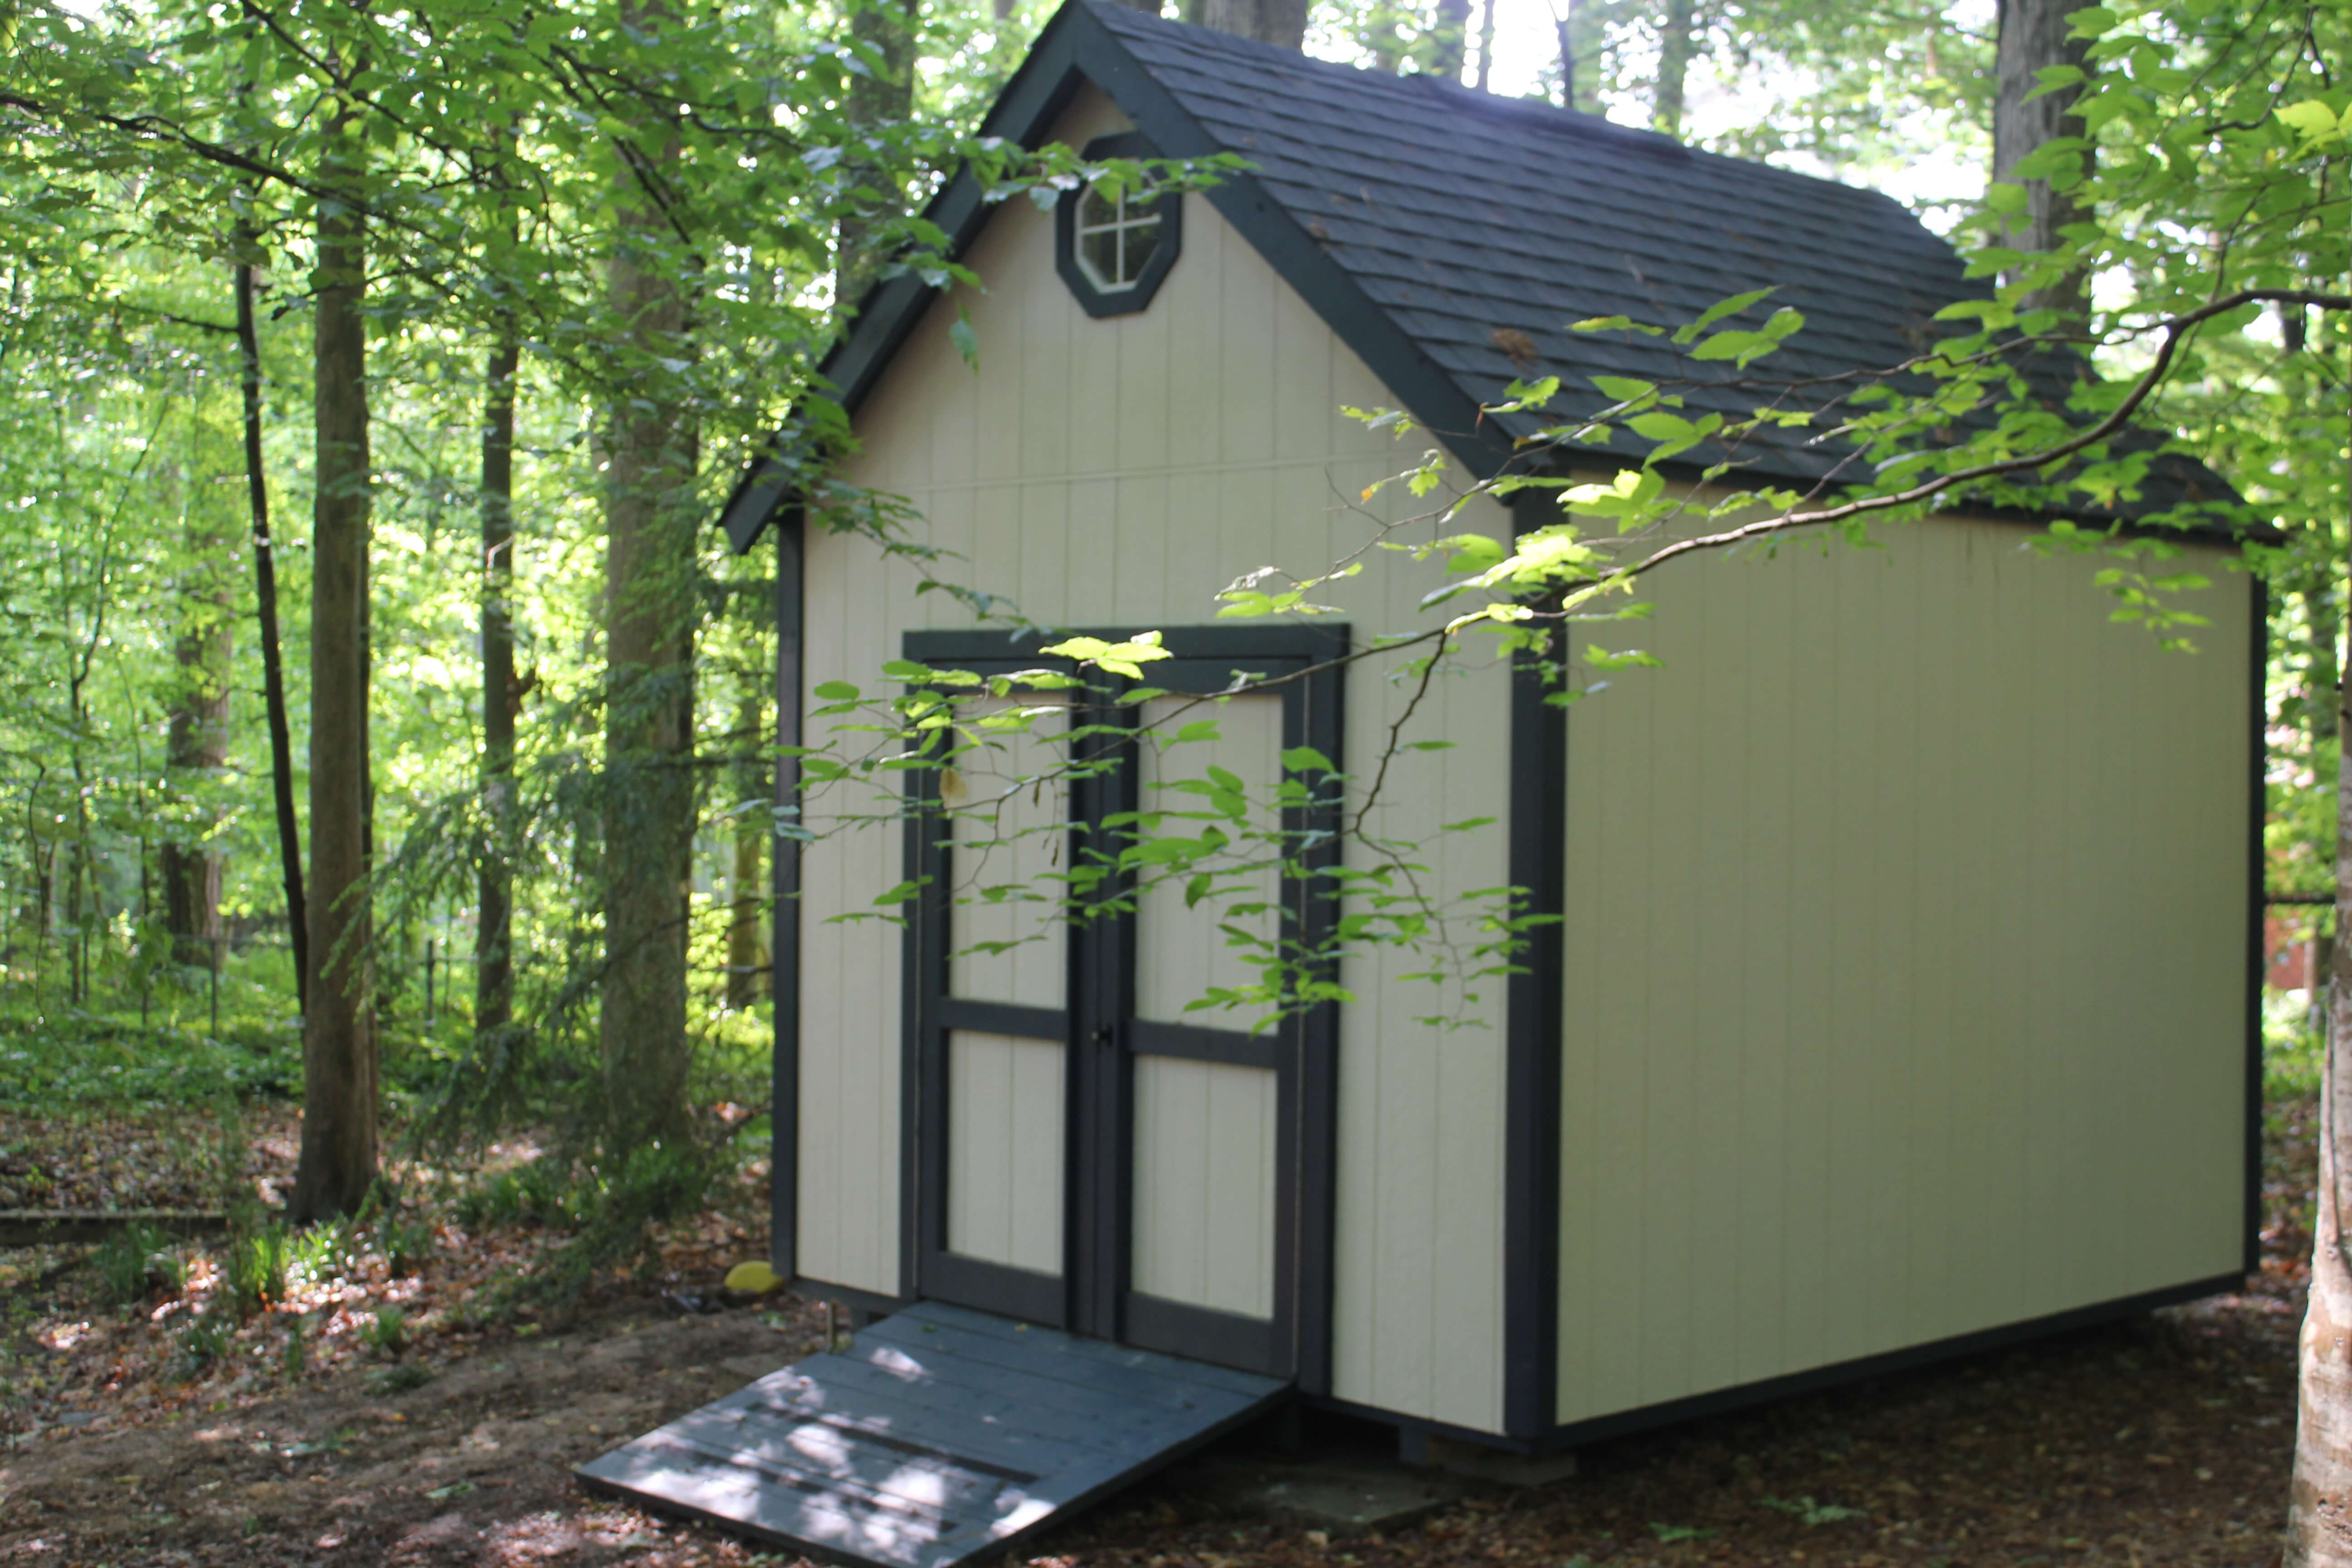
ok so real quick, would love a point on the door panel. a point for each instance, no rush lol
(1087, 1149)
(1180, 953)
(1010, 843)
(1006, 1115)
(1204, 1183)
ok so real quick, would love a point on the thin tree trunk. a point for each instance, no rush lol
(196, 744)
(1677, 42)
(2033, 37)
(264, 600)
(338, 1161)
(1564, 26)
(1485, 46)
(876, 102)
(1451, 38)
(744, 957)
(2319, 1498)
(649, 566)
(502, 698)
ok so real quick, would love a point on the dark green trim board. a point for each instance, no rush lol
(2257, 662)
(1533, 1017)
(785, 918)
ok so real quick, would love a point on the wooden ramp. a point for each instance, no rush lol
(943, 1435)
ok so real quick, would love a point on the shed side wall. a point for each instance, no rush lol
(1121, 472)
(1904, 962)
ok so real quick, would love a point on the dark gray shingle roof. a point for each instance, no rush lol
(1463, 215)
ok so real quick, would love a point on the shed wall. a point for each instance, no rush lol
(1905, 948)
(1121, 472)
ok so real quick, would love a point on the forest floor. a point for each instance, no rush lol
(124, 1440)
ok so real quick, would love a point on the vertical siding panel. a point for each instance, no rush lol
(1705, 957)
(1094, 395)
(1247, 375)
(1669, 1194)
(1930, 1219)
(1812, 912)
(1047, 324)
(1891, 1135)
(1854, 868)
(1302, 378)
(1759, 945)
(1193, 294)
(1145, 375)
(1618, 1023)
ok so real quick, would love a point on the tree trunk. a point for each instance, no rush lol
(196, 744)
(1486, 45)
(337, 1161)
(502, 696)
(1451, 40)
(1677, 42)
(1282, 23)
(2034, 37)
(2319, 1500)
(875, 103)
(649, 565)
(745, 983)
(265, 602)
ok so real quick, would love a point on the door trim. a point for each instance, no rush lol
(1098, 1216)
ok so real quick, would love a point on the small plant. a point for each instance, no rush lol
(1669, 1534)
(202, 1340)
(1808, 1512)
(386, 1332)
(295, 1357)
(134, 1262)
(255, 1265)
(321, 1253)
(406, 1242)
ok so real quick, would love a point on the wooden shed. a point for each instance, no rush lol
(1904, 997)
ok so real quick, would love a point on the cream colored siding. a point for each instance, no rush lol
(1180, 953)
(1123, 471)
(1204, 1187)
(1004, 1149)
(1905, 934)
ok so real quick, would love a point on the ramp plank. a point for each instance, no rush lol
(943, 1434)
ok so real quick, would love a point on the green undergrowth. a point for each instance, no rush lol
(2293, 1047)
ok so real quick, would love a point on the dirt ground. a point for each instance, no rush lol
(2160, 1441)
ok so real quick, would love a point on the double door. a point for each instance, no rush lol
(1090, 1149)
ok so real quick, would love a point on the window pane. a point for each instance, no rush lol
(1100, 252)
(1095, 209)
(1142, 239)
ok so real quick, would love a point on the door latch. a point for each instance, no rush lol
(1102, 1035)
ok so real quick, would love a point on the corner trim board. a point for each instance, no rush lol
(784, 916)
(1533, 1019)
(2258, 661)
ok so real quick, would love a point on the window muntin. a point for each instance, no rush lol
(1115, 238)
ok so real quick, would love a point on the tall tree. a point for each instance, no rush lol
(1677, 47)
(196, 738)
(501, 692)
(1282, 23)
(338, 1161)
(2035, 38)
(651, 525)
(265, 604)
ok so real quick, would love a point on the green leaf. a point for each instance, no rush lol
(1303, 759)
(966, 341)
(836, 691)
(1613, 323)
(898, 669)
(1624, 389)
(1717, 311)
(2312, 120)
(2090, 22)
